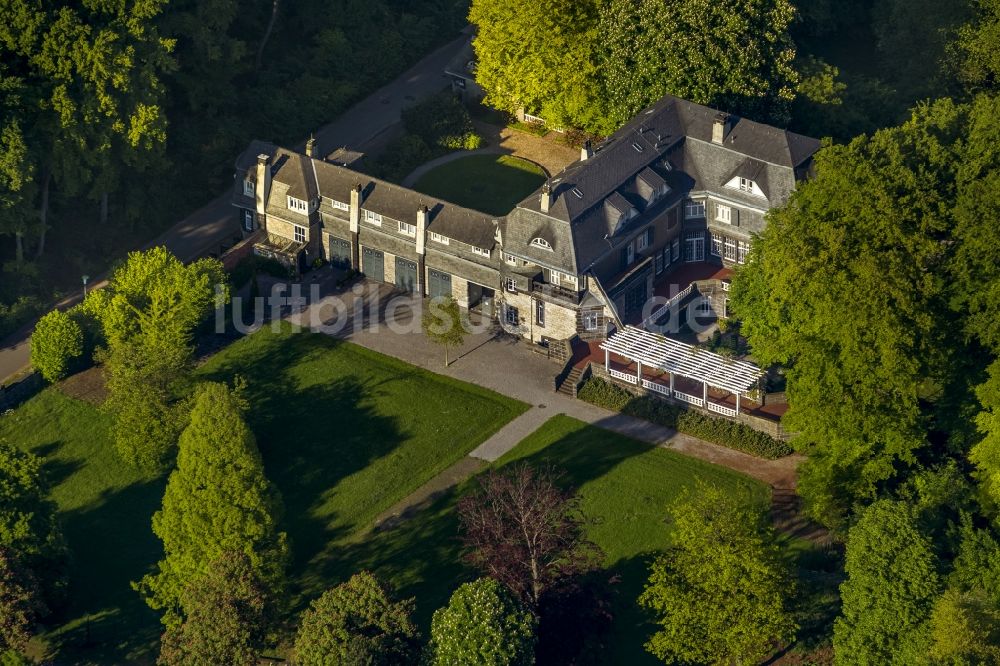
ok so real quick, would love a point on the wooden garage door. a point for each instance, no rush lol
(438, 284)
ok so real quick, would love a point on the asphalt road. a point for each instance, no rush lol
(215, 223)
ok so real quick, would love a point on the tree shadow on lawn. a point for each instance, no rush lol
(112, 544)
(56, 471)
(312, 437)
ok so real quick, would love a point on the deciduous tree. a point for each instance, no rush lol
(721, 593)
(443, 323)
(976, 48)
(357, 622)
(892, 583)
(525, 531)
(56, 342)
(482, 624)
(20, 602)
(226, 612)
(217, 500)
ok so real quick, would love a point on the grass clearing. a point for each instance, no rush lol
(626, 486)
(344, 433)
(493, 184)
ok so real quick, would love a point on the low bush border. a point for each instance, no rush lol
(728, 433)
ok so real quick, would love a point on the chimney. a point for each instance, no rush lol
(263, 188)
(587, 151)
(546, 197)
(422, 215)
(310, 146)
(355, 212)
(720, 128)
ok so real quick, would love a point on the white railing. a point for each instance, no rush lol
(624, 376)
(672, 301)
(528, 118)
(721, 409)
(656, 386)
(685, 397)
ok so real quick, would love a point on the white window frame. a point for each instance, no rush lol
(340, 205)
(438, 238)
(373, 218)
(299, 233)
(511, 315)
(248, 187)
(482, 252)
(247, 219)
(745, 185)
(509, 259)
(540, 313)
(510, 284)
(729, 249)
(569, 279)
(407, 229)
(694, 209)
(297, 205)
(717, 242)
(742, 250)
(724, 213)
(542, 243)
(554, 277)
(590, 321)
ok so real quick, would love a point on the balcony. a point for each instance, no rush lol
(556, 293)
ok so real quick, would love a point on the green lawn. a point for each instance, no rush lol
(626, 487)
(344, 433)
(493, 184)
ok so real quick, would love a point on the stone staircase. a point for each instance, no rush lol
(568, 385)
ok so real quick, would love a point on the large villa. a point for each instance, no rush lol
(601, 262)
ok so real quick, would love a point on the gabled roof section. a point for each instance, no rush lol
(751, 169)
(295, 171)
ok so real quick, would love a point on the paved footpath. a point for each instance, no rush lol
(511, 368)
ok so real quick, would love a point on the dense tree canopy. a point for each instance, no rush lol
(56, 342)
(357, 622)
(721, 593)
(217, 500)
(863, 286)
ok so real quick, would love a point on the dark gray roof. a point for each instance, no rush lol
(295, 170)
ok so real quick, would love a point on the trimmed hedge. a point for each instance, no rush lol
(733, 434)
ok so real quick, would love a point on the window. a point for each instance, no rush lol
(666, 255)
(641, 241)
(542, 243)
(637, 147)
(590, 321)
(300, 233)
(339, 205)
(746, 185)
(724, 213)
(742, 250)
(540, 313)
(247, 220)
(659, 263)
(676, 249)
(438, 238)
(730, 249)
(577, 193)
(716, 245)
(554, 277)
(694, 209)
(570, 280)
(480, 251)
(510, 315)
(248, 187)
(297, 205)
(373, 218)
(510, 259)
(510, 284)
(407, 229)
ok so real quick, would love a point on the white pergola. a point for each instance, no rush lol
(678, 358)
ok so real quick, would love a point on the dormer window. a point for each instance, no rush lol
(298, 205)
(407, 229)
(481, 251)
(373, 218)
(542, 243)
(746, 185)
(248, 187)
(637, 146)
(577, 193)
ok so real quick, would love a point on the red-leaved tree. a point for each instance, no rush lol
(524, 530)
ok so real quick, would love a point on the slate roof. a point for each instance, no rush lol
(670, 142)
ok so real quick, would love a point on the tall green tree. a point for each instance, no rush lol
(736, 55)
(357, 622)
(482, 624)
(539, 56)
(56, 343)
(721, 593)
(226, 613)
(892, 583)
(849, 288)
(443, 324)
(976, 47)
(217, 500)
(28, 521)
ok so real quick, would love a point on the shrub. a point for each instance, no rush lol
(733, 434)
(56, 344)
(473, 141)
(441, 120)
